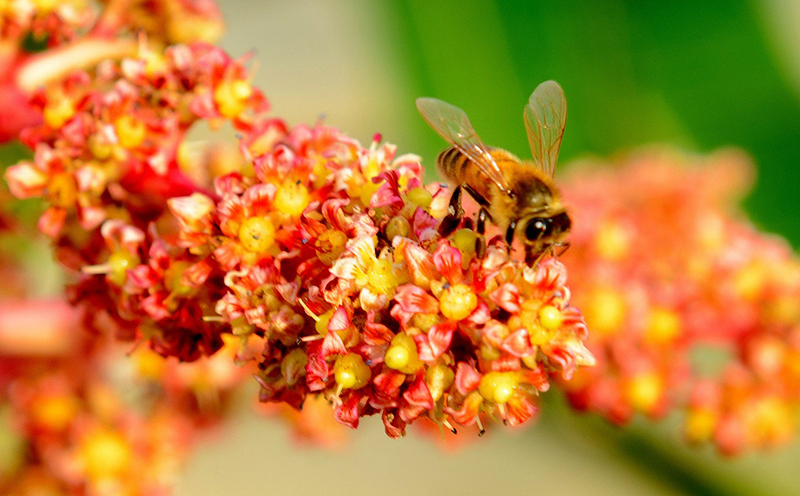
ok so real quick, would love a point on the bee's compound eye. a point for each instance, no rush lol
(536, 228)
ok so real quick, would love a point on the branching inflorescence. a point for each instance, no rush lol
(322, 253)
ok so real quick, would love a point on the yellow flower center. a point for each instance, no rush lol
(612, 241)
(439, 378)
(605, 312)
(397, 226)
(457, 302)
(550, 317)
(119, 262)
(62, 191)
(663, 326)
(498, 387)
(106, 454)
(465, 240)
(644, 390)
(402, 355)
(420, 197)
(380, 277)
(350, 371)
(130, 131)
(58, 111)
(231, 97)
(292, 198)
(257, 234)
(541, 323)
(700, 425)
(55, 412)
(330, 245)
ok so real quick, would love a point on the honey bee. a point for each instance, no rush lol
(518, 196)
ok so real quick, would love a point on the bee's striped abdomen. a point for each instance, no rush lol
(459, 169)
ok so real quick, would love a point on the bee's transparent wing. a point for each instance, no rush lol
(453, 125)
(545, 118)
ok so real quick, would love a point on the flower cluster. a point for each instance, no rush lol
(43, 41)
(107, 157)
(334, 263)
(324, 253)
(690, 306)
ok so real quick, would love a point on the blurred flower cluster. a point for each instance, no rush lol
(690, 307)
(79, 417)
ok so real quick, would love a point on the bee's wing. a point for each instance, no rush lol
(545, 118)
(453, 125)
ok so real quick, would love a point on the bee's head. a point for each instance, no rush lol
(539, 232)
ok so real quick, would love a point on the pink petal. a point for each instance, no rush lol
(440, 337)
(340, 320)
(448, 261)
(506, 297)
(416, 300)
(518, 344)
(333, 345)
(467, 378)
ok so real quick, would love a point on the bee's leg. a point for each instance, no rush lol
(454, 214)
(483, 214)
(480, 241)
(563, 247)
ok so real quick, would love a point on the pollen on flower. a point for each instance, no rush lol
(330, 245)
(457, 302)
(315, 260)
(257, 234)
(380, 278)
(292, 198)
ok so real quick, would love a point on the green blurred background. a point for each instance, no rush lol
(696, 74)
(699, 74)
